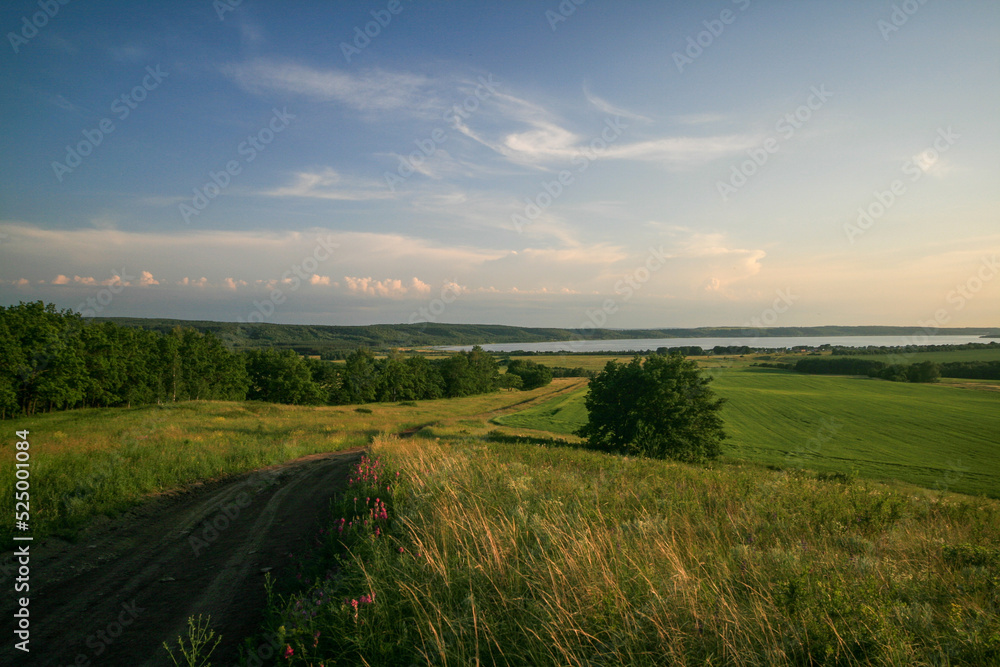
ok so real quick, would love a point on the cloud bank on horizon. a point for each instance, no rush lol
(645, 164)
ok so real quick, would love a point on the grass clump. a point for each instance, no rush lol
(506, 553)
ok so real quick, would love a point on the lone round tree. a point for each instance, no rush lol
(660, 406)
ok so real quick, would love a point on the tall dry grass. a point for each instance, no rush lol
(499, 553)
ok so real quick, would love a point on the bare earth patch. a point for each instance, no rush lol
(130, 584)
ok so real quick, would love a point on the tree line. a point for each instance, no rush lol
(924, 371)
(54, 360)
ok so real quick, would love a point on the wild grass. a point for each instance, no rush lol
(93, 462)
(500, 553)
(939, 436)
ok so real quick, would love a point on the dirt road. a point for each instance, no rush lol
(131, 584)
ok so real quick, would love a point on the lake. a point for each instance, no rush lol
(638, 344)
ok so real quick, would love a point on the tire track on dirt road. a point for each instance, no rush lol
(131, 584)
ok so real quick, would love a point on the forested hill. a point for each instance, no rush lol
(317, 339)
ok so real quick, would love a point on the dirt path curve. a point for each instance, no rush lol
(129, 585)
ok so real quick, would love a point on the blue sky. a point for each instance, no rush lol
(625, 164)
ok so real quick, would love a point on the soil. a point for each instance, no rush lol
(130, 584)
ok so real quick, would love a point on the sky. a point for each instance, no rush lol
(567, 164)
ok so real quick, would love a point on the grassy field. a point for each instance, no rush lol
(937, 435)
(102, 461)
(504, 545)
(493, 552)
(563, 414)
(596, 362)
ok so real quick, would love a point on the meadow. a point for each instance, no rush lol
(92, 462)
(482, 549)
(941, 435)
(502, 541)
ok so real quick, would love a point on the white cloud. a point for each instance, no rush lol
(546, 140)
(371, 90)
(233, 284)
(147, 279)
(328, 184)
(316, 279)
(390, 288)
(189, 282)
(608, 108)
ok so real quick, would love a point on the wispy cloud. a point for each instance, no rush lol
(372, 90)
(329, 184)
(606, 107)
(544, 139)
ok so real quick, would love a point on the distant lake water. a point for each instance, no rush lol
(637, 344)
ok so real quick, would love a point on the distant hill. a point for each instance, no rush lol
(318, 339)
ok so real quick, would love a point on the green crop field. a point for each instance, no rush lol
(936, 436)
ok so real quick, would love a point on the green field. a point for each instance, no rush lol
(499, 551)
(596, 362)
(563, 414)
(936, 436)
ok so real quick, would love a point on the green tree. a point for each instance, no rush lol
(328, 379)
(11, 359)
(532, 374)
(280, 377)
(511, 381)
(457, 376)
(660, 406)
(484, 370)
(361, 378)
(427, 380)
(50, 371)
(396, 382)
(925, 371)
